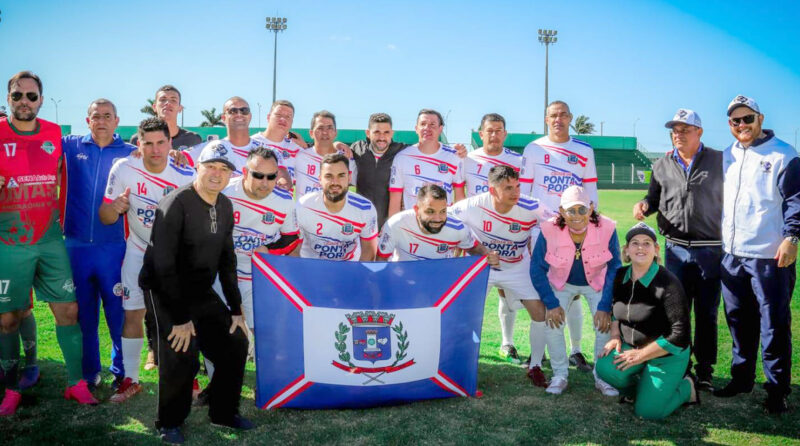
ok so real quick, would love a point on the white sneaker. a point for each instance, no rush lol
(605, 388)
(557, 385)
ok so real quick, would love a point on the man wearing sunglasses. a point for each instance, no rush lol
(32, 252)
(686, 192)
(93, 246)
(191, 244)
(236, 115)
(760, 229)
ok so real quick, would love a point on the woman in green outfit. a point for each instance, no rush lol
(647, 356)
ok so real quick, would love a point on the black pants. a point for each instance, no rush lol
(176, 370)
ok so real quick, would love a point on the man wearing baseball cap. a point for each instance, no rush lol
(760, 229)
(686, 192)
(191, 243)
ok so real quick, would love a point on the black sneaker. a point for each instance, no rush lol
(776, 404)
(579, 361)
(171, 435)
(237, 422)
(704, 383)
(694, 395)
(732, 389)
(509, 353)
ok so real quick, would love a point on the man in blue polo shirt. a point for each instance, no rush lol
(95, 250)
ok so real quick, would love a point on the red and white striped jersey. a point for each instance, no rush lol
(508, 233)
(258, 222)
(147, 189)
(306, 169)
(287, 148)
(335, 236)
(402, 238)
(549, 168)
(478, 163)
(413, 169)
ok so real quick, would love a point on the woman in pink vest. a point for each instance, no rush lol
(576, 254)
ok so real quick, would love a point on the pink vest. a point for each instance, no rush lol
(594, 252)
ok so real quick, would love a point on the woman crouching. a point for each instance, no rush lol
(647, 355)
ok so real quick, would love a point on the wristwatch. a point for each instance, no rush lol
(793, 239)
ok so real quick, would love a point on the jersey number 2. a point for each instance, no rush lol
(319, 228)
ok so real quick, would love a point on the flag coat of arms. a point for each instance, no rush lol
(349, 334)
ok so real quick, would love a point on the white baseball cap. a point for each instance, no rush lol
(216, 151)
(685, 116)
(743, 101)
(574, 195)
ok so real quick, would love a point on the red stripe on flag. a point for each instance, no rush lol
(282, 285)
(284, 390)
(473, 271)
(452, 383)
(295, 393)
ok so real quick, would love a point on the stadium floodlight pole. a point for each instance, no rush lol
(276, 25)
(259, 114)
(547, 37)
(601, 127)
(634, 127)
(56, 104)
(795, 138)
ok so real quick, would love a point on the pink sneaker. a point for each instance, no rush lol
(80, 393)
(10, 403)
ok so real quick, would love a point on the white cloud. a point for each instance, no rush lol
(391, 47)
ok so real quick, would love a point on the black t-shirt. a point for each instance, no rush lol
(373, 175)
(182, 140)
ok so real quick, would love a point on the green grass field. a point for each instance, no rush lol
(511, 411)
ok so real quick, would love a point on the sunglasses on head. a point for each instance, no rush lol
(746, 119)
(17, 96)
(239, 110)
(261, 176)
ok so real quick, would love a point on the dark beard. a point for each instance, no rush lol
(335, 198)
(427, 226)
(28, 116)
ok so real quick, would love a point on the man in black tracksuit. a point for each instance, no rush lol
(191, 243)
(686, 191)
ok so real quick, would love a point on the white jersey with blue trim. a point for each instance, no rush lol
(549, 168)
(403, 239)
(413, 169)
(237, 155)
(287, 148)
(507, 233)
(306, 169)
(335, 236)
(478, 163)
(147, 189)
(258, 222)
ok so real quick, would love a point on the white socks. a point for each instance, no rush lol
(507, 318)
(538, 341)
(575, 325)
(132, 357)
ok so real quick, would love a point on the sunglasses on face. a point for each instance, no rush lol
(239, 111)
(17, 96)
(261, 176)
(746, 119)
(580, 210)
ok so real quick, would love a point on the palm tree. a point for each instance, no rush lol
(212, 118)
(148, 109)
(582, 126)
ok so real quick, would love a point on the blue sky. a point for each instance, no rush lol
(619, 62)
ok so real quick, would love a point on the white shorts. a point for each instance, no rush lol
(132, 297)
(516, 285)
(246, 290)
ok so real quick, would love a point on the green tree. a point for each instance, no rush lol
(213, 119)
(582, 126)
(148, 109)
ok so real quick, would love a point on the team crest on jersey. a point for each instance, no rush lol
(268, 218)
(572, 159)
(443, 168)
(168, 189)
(347, 228)
(373, 335)
(119, 290)
(514, 227)
(442, 248)
(12, 183)
(48, 147)
(766, 165)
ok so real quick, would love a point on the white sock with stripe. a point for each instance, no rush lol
(132, 357)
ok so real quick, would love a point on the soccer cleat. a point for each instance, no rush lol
(237, 422)
(10, 403)
(605, 388)
(118, 380)
(557, 385)
(29, 378)
(579, 361)
(171, 435)
(150, 364)
(126, 390)
(537, 377)
(80, 393)
(509, 353)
